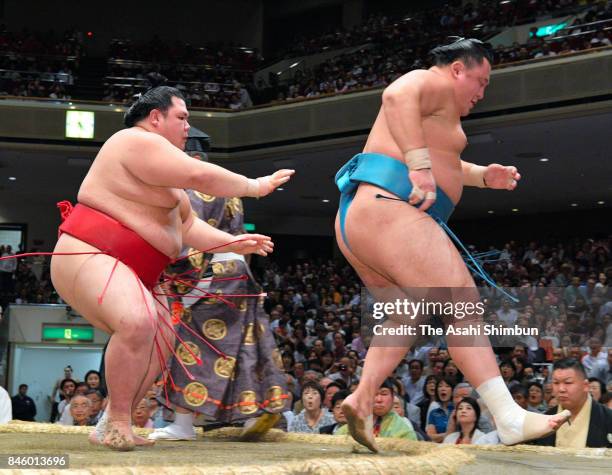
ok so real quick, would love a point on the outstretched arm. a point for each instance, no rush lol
(495, 176)
(155, 161)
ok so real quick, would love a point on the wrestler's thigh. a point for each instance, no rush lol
(402, 244)
(126, 305)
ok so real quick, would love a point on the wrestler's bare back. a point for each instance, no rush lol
(443, 134)
(151, 211)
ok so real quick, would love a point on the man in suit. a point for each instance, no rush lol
(24, 408)
(591, 422)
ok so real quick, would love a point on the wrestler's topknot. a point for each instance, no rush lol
(468, 50)
(156, 98)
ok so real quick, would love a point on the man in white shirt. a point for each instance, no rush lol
(413, 384)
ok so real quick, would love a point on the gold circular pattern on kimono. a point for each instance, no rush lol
(184, 354)
(249, 334)
(195, 394)
(278, 360)
(213, 222)
(218, 268)
(273, 395)
(186, 316)
(196, 258)
(248, 400)
(206, 198)
(242, 306)
(225, 367)
(261, 329)
(235, 205)
(214, 329)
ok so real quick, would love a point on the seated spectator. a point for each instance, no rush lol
(80, 410)
(141, 415)
(467, 417)
(412, 413)
(440, 410)
(429, 395)
(520, 394)
(595, 358)
(339, 417)
(96, 410)
(536, 398)
(314, 415)
(591, 422)
(93, 380)
(387, 423)
(81, 389)
(414, 382)
(597, 389)
(344, 371)
(331, 389)
(508, 373)
(24, 408)
(67, 387)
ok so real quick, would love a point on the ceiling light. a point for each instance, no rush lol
(514, 210)
(12, 178)
(490, 211)
(543, 159)
(280, 189)
(294, 65)
(325, 201)
(573, 205)
(601, 202)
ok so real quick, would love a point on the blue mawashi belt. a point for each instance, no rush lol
(392, 175)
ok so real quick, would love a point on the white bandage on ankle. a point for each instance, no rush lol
(417, 159)
(475, 176)
(509, 416)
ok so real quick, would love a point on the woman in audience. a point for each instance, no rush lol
(467, 417)
(93, 380)
(141, 415)
(314, 415)
(440, 410)
(535, 401)
(597, 389)
(429, 395)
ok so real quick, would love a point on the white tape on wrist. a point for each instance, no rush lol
(476, 176)
(253, 188)
(417, 159)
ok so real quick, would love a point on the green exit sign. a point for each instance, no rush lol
(249, 227)
(68, 333)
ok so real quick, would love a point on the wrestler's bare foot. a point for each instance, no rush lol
(535, 426)
(138, 441)
(119, 435)
(360, 421)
